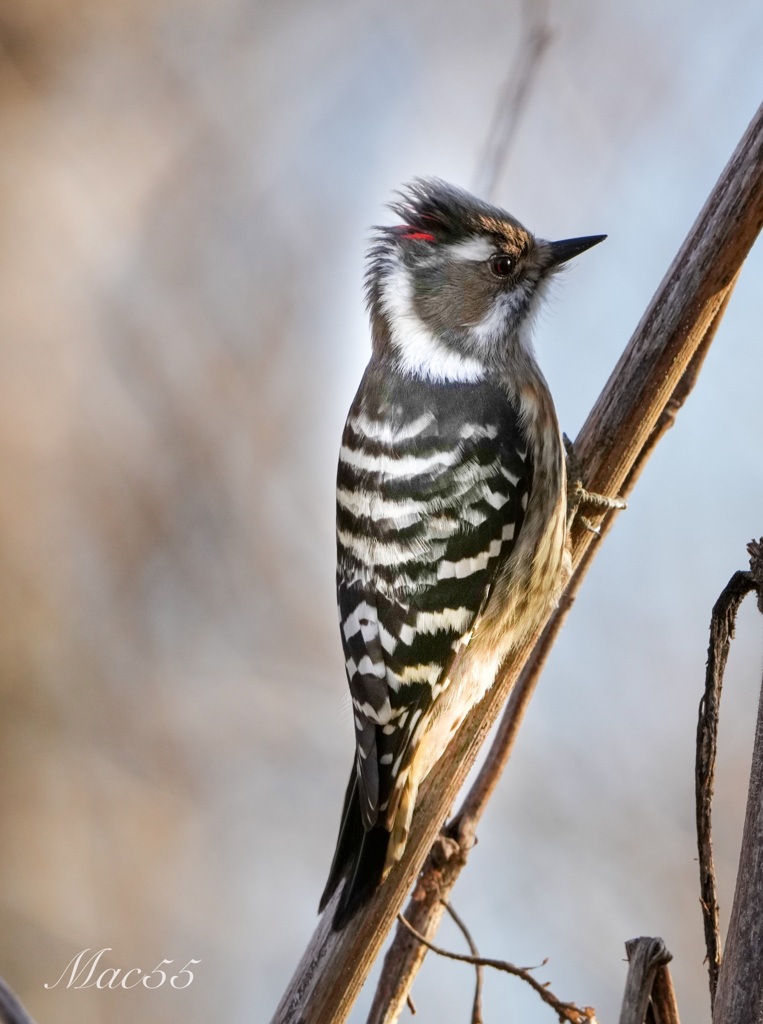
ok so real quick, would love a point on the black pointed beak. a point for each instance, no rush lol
(569, 247)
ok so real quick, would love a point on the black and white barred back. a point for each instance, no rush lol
(432, 488)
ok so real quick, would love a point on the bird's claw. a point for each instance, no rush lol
(579, 499)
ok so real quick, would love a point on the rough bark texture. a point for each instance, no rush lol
(739, 997)
(649, 996)
(721, 631)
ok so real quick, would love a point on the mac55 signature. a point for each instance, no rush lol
(87, 975)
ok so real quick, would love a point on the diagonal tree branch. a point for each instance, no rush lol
(609, 446)
(450, 852)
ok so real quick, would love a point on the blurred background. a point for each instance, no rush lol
(185, 195)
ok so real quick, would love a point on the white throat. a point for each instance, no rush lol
(418, 351)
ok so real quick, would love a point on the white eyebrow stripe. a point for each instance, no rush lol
(476, 249)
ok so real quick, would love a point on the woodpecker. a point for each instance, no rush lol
(451, 501)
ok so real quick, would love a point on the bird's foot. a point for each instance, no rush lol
(580, 500)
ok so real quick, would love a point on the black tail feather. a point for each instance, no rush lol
(346, 843)
(359, 859)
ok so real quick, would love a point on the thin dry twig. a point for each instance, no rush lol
(739, 995)
(721, 632)
(477, 1004)
(565, 1011)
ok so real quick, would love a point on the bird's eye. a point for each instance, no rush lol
(501, 265)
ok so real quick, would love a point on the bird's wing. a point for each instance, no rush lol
(429, 505)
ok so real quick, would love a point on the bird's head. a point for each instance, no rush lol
(452, 290)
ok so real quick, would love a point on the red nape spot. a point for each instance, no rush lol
(418, 236)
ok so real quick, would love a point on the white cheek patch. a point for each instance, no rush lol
(492, 327)
(478, 250)
(419, 351)
(507, 309)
